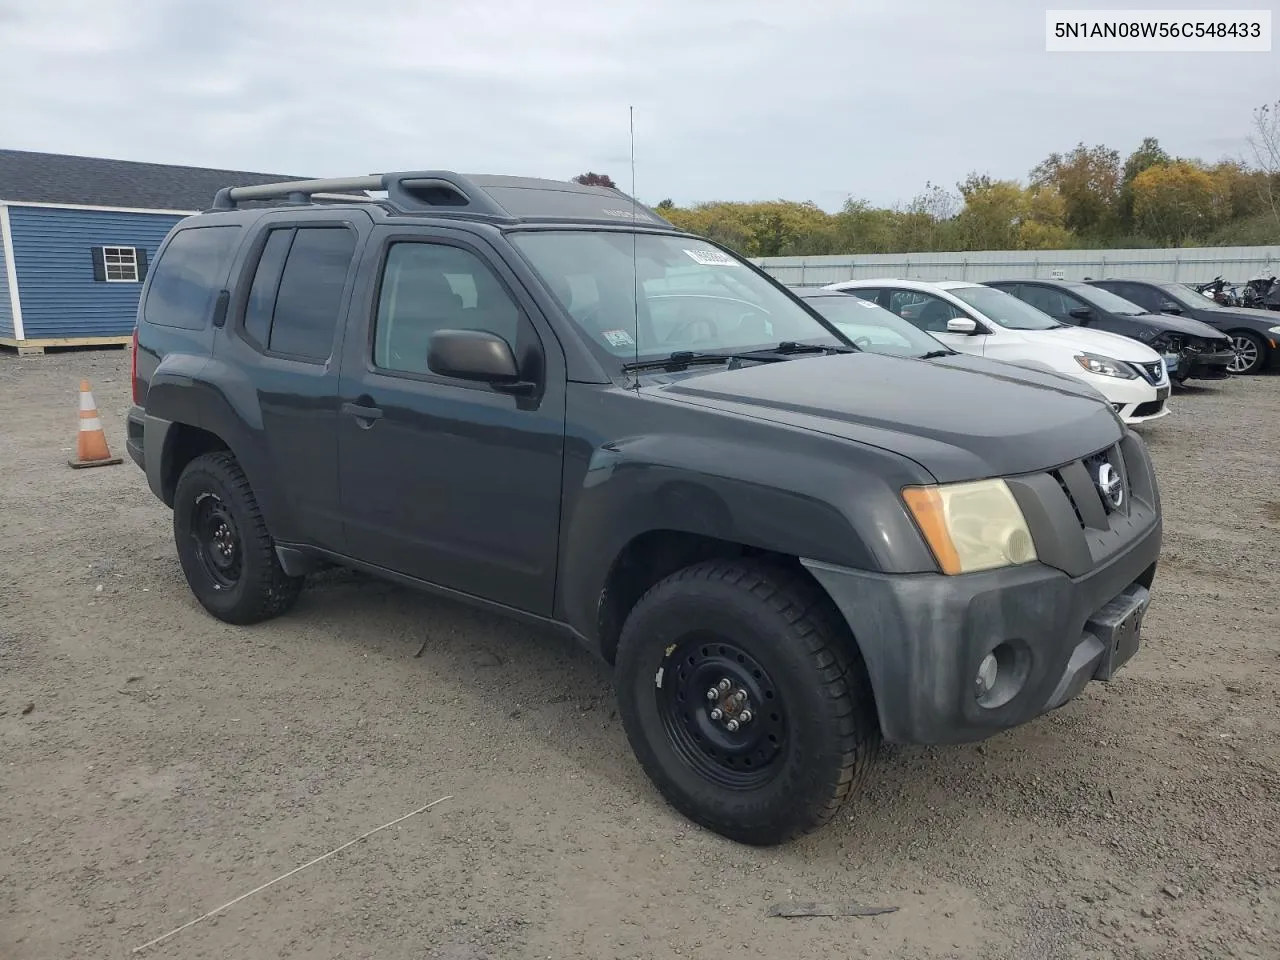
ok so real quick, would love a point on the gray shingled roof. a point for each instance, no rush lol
(93, 181)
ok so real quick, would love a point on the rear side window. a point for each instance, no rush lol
(186, 279)
(296, 294)
(1043, 298)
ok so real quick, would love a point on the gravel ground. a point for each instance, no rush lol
(157, 763)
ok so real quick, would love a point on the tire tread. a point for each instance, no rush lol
(272, 592)
(815, 622)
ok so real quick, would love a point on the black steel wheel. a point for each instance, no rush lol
(227, 555)
(720, 709)
(216, 541)
(745, 699)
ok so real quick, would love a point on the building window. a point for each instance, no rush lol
(122, 264)
(119, 264)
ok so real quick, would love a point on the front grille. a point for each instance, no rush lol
(1078, 482)
(1068, 496)
(1066, 492)
(1152, 371)
(1148, 409)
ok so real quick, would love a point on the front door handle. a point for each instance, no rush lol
(362, 413)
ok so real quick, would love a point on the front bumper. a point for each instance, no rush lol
(923, 636)
(1137, 400)
(1199, 366)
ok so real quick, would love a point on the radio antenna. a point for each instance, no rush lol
(635, 269)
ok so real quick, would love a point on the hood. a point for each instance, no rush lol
(1263, 318)
(1112, 345)
(1183, 325)
(961, 418)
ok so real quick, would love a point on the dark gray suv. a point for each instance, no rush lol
(542, 398)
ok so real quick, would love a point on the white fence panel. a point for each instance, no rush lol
(1185, 264)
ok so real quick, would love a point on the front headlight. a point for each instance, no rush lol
(1105, 366)
(971, 526)
(1275, 331)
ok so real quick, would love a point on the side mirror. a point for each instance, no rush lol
(1170, 307)
(472, 355)
(961, 325)
(1083, 314)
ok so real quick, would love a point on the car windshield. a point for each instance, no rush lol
(874, 328)
(1187, 297)
(1104, 299)
(692, 296)
(1004, 308)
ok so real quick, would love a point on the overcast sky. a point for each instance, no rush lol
(734, 99)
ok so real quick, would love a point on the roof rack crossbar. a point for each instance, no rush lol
(228, 197)
(406, 190)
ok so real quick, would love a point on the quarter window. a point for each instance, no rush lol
(188, 276)
(433, 286)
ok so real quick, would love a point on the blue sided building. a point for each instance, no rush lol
(77, 235)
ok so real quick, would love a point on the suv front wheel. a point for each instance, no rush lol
(745, 699)
(226, 553)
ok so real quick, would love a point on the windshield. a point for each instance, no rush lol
(1004, 308)
(1104, 299)
(1188, 297)
(693, 296)
(874, 328)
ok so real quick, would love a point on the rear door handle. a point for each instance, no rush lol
(361, 412)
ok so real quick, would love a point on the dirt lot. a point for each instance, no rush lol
(157, 764)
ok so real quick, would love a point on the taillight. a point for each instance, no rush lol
(133, 369)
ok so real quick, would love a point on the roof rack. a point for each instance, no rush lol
(445, 193)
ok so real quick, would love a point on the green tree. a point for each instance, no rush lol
(1149, 154)
(1176, 202)
(1088, 180)
(1004, 215)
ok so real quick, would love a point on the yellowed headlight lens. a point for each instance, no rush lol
(971, 526)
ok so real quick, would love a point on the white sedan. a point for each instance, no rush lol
(986, 322)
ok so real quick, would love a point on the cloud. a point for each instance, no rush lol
(753, 99)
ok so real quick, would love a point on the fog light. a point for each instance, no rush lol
(987, 671)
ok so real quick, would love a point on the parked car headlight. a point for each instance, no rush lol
(1274, 331)
(971, 526)
(1105, 366)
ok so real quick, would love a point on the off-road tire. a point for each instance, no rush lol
(262, 590)
(789, 627)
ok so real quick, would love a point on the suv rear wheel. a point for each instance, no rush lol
(745, 699)
(226, 553)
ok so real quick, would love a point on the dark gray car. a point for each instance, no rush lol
(543, 399)
(1192, 350)
(1255, 334)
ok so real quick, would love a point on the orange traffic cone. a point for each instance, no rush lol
(91, 444)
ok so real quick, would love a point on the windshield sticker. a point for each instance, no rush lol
(710, 257)
(618, 338)
(629, 214)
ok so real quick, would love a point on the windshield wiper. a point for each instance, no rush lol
(683, 358)
(783, 351)
(934, 354)
(790, 346)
